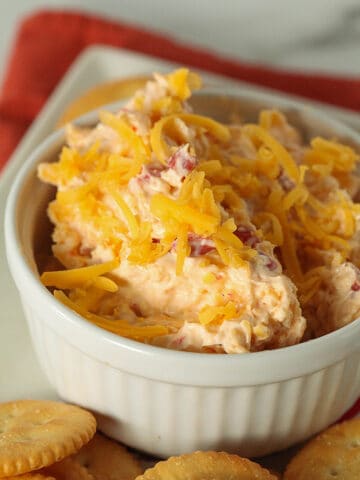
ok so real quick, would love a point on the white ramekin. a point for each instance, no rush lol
(167, 402)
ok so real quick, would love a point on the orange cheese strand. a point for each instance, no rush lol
(77, 277)
(226, 236)
(340, 158)
(208, 204)
(72, 163)
(120, 327)
(128, 214)
(166, 209)
(125, 132)
(309, 289)
(142, 248)
(290, 257)
(315, 230)
(266, 163)
(297, 195)
(348, 215)
(210, 314)
(283, 156)
(160, 131)
(120, 170)
(106, 284)
(219, 131)
(275, 234)
(182, 82)
(192, 188)
(182, 249)
(166, 106)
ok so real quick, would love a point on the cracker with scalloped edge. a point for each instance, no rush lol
(30, 476)
(67, 469)
(37, 433)
(207, 466)
(333, 454)
(108, 460)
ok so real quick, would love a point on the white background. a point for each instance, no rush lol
(312, 34)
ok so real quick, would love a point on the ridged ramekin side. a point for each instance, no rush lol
(168, 419)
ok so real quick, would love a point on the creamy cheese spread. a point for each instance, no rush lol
(182, 232)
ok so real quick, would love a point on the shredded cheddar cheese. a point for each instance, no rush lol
(275, 233)
(165, 127)
(209, 278)
(337, 157)
(182, 83)
(133, 143)
(77, 277)
(156, 181)
(167, 209)
(120, 327)
(211, 314)
(130, 217)
(283, 156)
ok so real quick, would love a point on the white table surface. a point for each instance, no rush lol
(321, 35)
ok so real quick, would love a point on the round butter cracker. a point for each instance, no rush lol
(207, 466)
(36, 433)
(334, 454)
(108, 460)
(67, 469)
(31, 476)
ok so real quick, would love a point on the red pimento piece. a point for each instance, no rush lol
(149, 171)
(200, 249)
(182, 162)
(355, 287)
(268, 262)
(85, 251)
(247, 236)
(155, 170)
(144, 177)
(136, 309)
(200, 245)
(271, 264)
(179, 341)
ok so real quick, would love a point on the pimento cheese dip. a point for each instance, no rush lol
(185, 233)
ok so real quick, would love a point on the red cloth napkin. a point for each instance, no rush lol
(48, 42)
